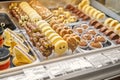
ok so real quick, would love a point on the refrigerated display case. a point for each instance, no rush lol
(84, 64)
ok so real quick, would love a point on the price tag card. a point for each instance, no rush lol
(54, 69)
(114, 55)
(74, 64)
(95, 60)
(102, 59)
(66, 66)
(18, 77)
(35, 73)
(4, 79)
(84, 63)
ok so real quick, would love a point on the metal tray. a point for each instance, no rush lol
(6, 18)
(41, 57)
(108, 41)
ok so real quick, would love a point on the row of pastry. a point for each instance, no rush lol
(60, 45)
(63, 16)
(113, 25)
(67, 34)
(85, 6)
(91, 11)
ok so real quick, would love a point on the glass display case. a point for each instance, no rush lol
(93, 61)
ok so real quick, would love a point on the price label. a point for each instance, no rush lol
(114, 55)
(35, 73)
(95, 60)
(18, 77)
(84, 63)
(55, 69)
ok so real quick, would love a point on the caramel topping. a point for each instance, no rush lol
(95, 44)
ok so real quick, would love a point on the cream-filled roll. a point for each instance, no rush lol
(60, 45)
(33, 15)
(111, 23)
(83, 3)
(89, 10)
(108, 21)
(93, 12)
(117, 29)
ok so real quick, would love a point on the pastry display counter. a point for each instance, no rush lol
(61, 41)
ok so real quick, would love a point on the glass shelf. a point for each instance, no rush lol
(111, 4)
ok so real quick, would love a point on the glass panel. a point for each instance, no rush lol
(112, 4)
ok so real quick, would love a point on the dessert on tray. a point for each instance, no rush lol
(19, 51)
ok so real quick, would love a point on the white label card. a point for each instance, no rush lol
(35, 73)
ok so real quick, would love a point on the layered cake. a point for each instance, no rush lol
(12, 39)
(21, 57)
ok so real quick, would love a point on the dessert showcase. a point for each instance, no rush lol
(56, 41)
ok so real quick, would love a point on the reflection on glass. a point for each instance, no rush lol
(113, 5)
